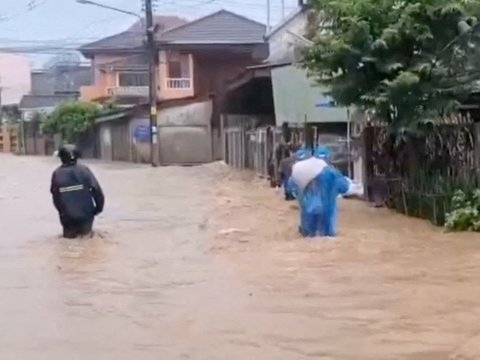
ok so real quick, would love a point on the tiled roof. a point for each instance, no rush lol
(43, 101)
(134, 37)
(222, 27)
(129, 62)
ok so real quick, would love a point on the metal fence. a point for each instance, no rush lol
(255, 149)
(251, 149)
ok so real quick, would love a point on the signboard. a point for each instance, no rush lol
(142, 133)
(325, 102)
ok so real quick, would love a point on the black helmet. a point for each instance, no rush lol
(68, 154)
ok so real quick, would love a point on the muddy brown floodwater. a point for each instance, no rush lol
(199, 263)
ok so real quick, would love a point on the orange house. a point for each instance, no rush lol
(196, 61)
(185, 52)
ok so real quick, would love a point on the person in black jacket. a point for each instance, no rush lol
(76, 193)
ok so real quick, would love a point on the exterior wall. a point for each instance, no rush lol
(103, 80)
(166, 93)
(207, 74)
(15, 79)
(100, 77)
(212, 76)
(108, 79)
(185, 134)
(297, 98)
(92, 92)
(281, 42)
(214, 71)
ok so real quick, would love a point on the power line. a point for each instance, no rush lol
(238, 3)
(31, 6)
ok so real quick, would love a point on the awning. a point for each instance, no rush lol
(269, 65)
(113, 117)
(247, 76)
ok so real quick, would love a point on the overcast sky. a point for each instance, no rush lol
(33, 24)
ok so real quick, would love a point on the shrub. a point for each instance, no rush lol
(465, 214)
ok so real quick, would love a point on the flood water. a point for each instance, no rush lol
(201, 263)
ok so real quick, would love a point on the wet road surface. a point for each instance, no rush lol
(199, 263)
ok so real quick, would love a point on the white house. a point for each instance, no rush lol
(297, 98)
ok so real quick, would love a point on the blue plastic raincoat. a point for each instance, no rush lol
(318, 201)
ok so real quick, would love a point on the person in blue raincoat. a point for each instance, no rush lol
(318, 201)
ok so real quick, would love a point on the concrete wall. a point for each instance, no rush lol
(185, 134)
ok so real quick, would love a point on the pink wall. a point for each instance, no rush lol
(14, 78)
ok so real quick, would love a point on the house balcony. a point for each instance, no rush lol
(179, 84)
(177, 88)
(129, 91)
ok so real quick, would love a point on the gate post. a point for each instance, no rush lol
(368, 137)
(222, 137)
(476, 128)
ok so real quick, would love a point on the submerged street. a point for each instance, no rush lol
(203, 263)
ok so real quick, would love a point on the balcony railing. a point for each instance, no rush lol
(129, 91)
(179, 83)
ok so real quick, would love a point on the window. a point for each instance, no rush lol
(178, 66)
(175, 70)
(128, 79)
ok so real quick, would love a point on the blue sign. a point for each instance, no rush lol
(142, 133)
(326, 102)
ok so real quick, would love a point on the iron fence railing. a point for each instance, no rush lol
(258, 149)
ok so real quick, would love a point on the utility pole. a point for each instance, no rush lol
(150, 51)
(269, 21)
(283, 9)
(152, 54)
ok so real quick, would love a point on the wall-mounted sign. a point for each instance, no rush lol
(142, 133)
(325, 102)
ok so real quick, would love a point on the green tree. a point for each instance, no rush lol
(72, 119)
(403, 61)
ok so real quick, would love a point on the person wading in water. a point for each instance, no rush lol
(285, 172)
(76, 193)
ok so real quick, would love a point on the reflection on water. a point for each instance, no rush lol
(179, 269)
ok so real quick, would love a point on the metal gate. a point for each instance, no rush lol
(120, 142)
(252, 149)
